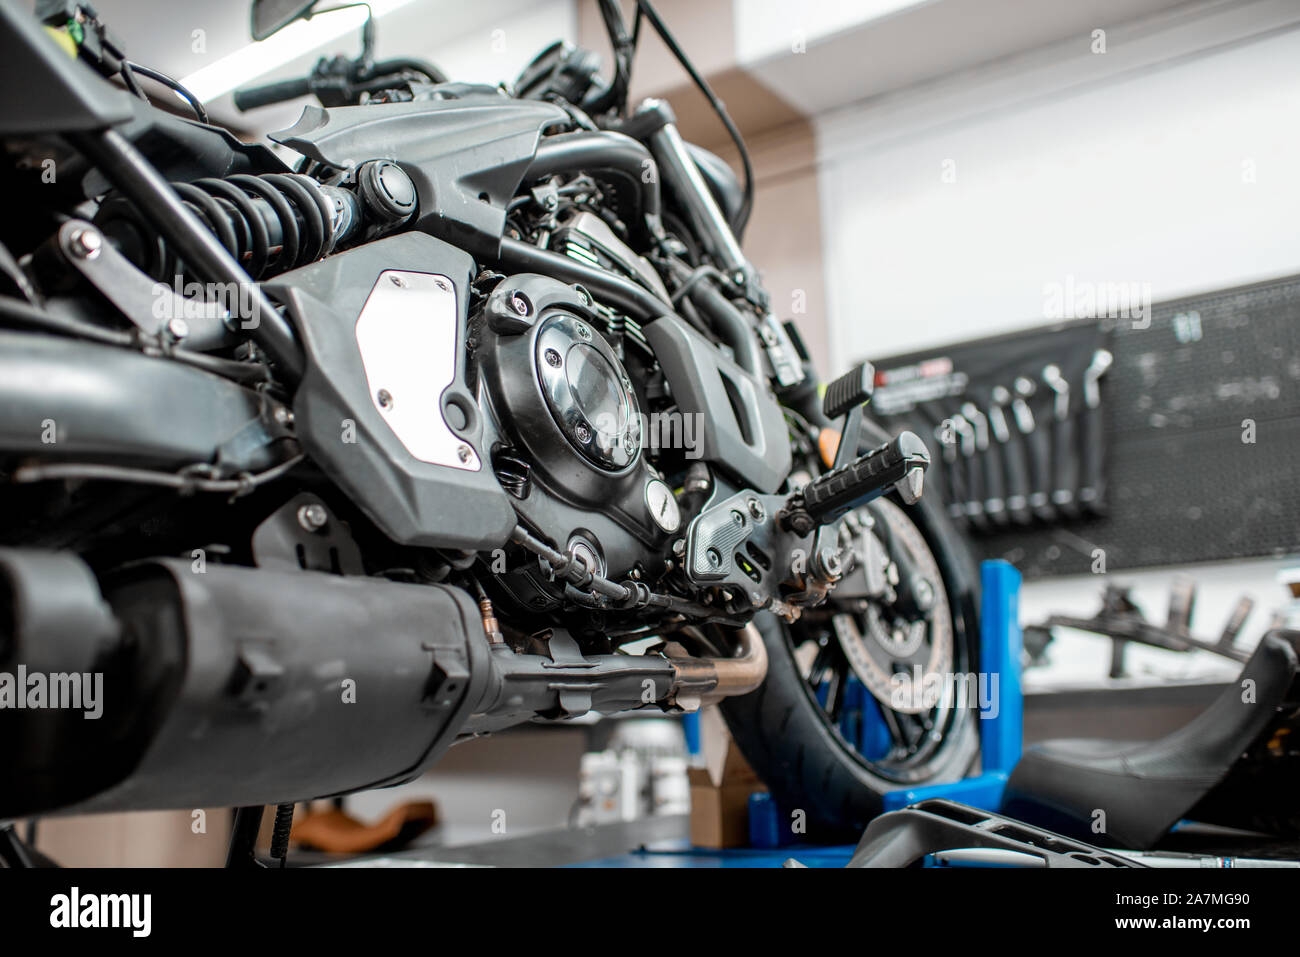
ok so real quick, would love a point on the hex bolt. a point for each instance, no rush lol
(583, 432)
(313, 517)
(177, 328)
(86, 243)
(519, 304)
(756, 510)
(923, 593)
(385, 399)
(553, 358)
(583, 332)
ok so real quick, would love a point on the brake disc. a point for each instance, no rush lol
(903, 661)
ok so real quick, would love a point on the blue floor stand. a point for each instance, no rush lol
(1001, 736)
(1000, 717)
(1002, 729)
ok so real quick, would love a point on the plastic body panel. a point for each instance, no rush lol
(743, 429)
(339, 425)
(466, 156)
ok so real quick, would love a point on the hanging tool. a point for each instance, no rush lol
(1092, 440)
(990, 465)
(1065, 465)
(1012, 454)
(1037, 443)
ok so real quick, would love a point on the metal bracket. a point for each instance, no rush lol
(152, 307)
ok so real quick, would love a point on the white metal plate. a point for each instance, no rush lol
(406, 335)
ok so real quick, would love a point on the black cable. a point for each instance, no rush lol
(186, 481)
(33, 317)
(629, 595)
(14, 271)
(129, 80)
(615, 97)
(747, 204)
(196, 104)
(30, 316)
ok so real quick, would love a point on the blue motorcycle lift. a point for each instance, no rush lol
(1001, 730)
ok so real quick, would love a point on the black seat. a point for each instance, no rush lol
(1142, 789)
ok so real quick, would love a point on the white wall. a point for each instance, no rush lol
(1172, 159)
(1185, 176)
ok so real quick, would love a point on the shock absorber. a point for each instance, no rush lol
(270, 223)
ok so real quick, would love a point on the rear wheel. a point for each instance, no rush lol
(853, 703)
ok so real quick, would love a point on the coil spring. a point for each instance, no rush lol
(303, 212)
(280, 832)
(270, 223)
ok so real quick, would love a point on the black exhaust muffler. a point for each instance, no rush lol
(225, 685)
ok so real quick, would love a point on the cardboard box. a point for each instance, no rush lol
(720, 789)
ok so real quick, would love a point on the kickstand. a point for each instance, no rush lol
(15, 853)
(243, 839)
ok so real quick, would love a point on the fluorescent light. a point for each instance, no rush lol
(257, 59)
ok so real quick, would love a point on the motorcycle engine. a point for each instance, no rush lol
(568, 433)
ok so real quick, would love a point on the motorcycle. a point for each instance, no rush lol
(474, 415)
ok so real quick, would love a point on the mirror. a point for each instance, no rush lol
(270, 16)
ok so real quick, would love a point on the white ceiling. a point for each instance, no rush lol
(858, 50)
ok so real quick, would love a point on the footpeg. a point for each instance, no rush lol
(899, 464)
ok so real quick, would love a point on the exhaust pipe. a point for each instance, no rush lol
(227, 685)
(705, 681)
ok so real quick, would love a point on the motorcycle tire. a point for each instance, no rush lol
(795, 748)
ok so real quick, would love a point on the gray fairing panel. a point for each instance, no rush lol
(743, 428)
(411, 501)
(465, 155)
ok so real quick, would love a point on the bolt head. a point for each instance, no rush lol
(313, 517)
(464, 453)
(384, 398)
(397, 280)
(177, 328)
(756, 510)
(86, 243)
(519, 304)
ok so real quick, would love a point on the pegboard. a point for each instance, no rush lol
(1201, 417)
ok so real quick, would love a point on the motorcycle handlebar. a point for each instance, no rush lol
(255, 96)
